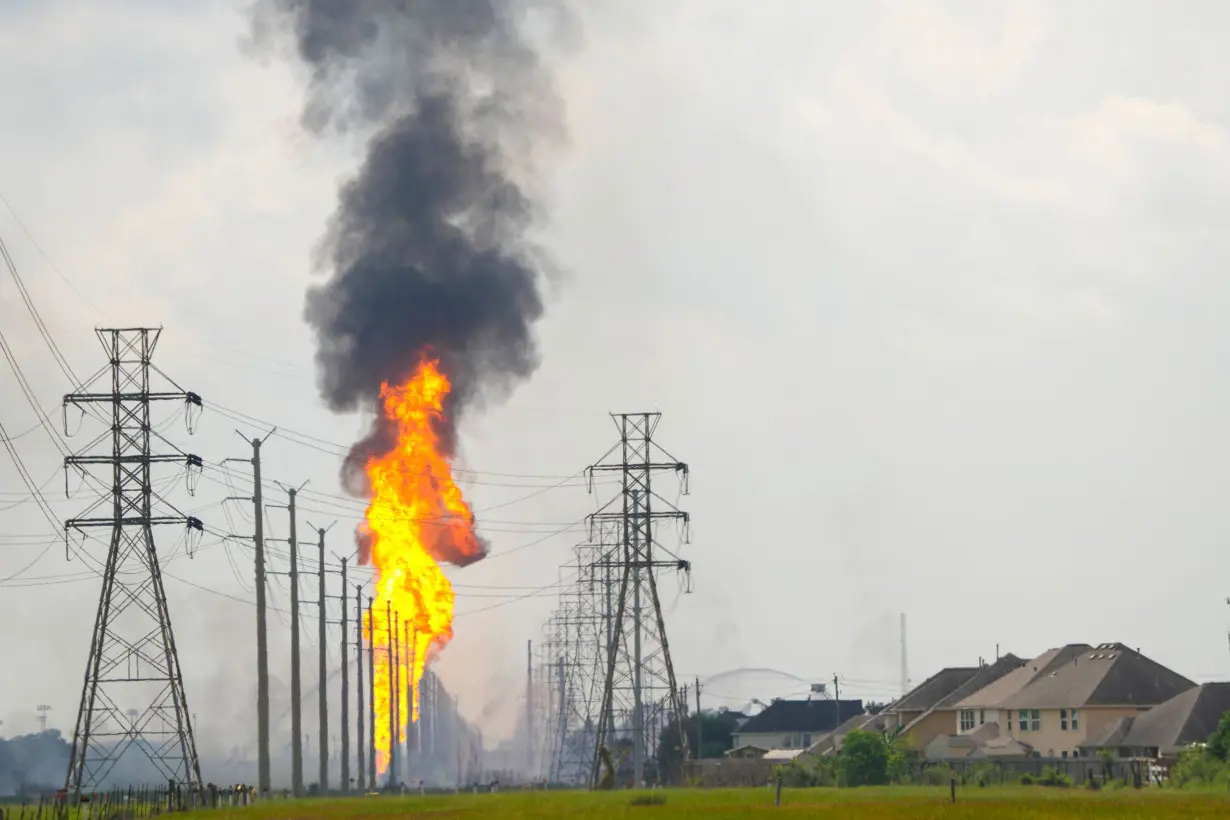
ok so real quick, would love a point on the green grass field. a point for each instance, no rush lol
(911, 802)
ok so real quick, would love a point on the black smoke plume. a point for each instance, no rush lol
(429, 251)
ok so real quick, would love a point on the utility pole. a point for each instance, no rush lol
(648, 674)
(836, 704)
(905, 660)
(410, 649)
(371, 700)
(360, 717)
(322, 692)
(390, 633)
(133, 641)
(262, 634)
(529, 708)
(296, 719)
(264, 780)
(700, 726)
(345, 690)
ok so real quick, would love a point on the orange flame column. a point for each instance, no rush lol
(416, 518)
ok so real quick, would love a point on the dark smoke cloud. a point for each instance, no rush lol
(429, 249)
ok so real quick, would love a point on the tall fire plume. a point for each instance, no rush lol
(416, 517)
(433, 284)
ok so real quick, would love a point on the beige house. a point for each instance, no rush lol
(983, 705)
(1055, 702)
(928, 711)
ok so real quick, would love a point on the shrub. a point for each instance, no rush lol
(648, 800)
(807, 773)
(1196, 767)
(936, 775)
(983, 774)
(866, 759)
(1052, 777)
(1027, 779)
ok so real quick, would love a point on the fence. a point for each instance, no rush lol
(735, 773)
(128, 804)
(1079, 769)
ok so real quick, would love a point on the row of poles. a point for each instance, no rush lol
(398, 636)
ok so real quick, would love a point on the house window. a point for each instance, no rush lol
(967, 720)
(982, 716)
(1074, 718)
(1023, 719)
(1064, 753)
(806, 741)
(1063, 721)
(1035, 721)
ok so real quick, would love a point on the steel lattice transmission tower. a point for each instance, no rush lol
(133, 661)
(639, 682)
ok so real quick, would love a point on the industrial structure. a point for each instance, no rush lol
(133, 659)
(602, 681)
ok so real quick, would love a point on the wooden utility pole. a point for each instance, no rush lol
(371, 696)
(322, 692)
(296, 719)
(529, 709)
(262, 641)
(700, 721)
(345, 691)
(390, 633)
(408, 649)
(836, 707)
(360, 717)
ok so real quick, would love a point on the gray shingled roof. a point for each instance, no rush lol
(1190, 717)
(801, 716)
(980, 679)
(999, 690)
(984, 677)
(1107, 675)
(934, 689)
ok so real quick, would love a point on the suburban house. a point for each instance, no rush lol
(983, 706)
(1059, 710)
(794, 724)
(940, 718)
(1050, 706)
(1166, 729)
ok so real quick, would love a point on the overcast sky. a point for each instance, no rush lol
(930, 295)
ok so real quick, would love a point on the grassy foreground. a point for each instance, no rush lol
(910, 802)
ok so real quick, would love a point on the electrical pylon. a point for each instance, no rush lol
(581, 630)
(639, 677)
(133, 660)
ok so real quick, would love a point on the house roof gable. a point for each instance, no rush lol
(801, 716)
(1190, 717)
(1106, 675)
(996, 692)
(984, 677)
(934, 689)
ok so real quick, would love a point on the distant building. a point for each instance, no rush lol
(795, 724)
(1052, 705)
(1166, 729)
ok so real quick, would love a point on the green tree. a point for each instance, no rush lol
(1219, 741)
(717, 731)
(865, 759)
